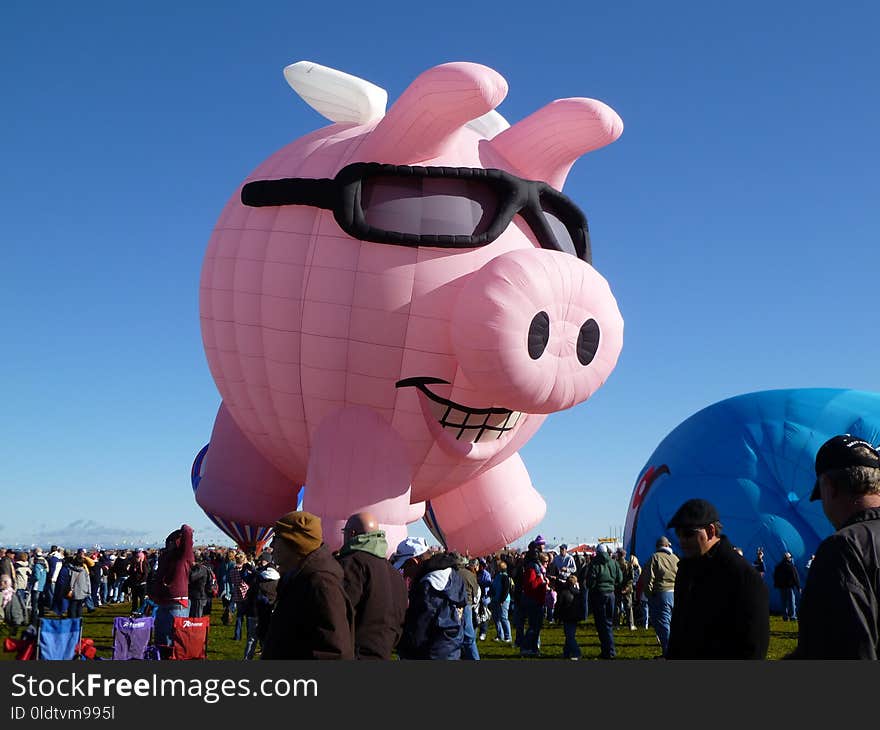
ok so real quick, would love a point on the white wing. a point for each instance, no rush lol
(489, 124)
(338, 96)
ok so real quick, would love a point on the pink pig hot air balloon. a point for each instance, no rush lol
(393, 304)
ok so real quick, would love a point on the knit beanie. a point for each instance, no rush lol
(301, 530)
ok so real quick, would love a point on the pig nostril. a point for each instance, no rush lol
(539, 334)
(588, 341)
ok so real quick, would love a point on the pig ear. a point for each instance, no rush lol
(544, 145)
(336, 95)
(433, 108)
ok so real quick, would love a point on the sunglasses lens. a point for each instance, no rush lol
(429, 206)
(567, 224)
(560, 233)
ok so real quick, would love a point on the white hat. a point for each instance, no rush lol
(410, 548)
(602, 548)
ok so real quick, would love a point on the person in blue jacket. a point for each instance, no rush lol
(37, 585)
(433, 628)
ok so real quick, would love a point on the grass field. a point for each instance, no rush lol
(639, 644)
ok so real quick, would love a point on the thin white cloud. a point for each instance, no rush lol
(86, 533)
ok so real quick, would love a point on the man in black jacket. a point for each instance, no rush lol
(199, 577)
(840, 607)
(376, 590)
(259, 603)
(721, 607)
(787, 581)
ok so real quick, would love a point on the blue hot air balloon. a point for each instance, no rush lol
(753, 457)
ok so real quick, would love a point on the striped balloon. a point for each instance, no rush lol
(249, 538)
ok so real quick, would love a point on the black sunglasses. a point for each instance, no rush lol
(688, 531)
(445, 207)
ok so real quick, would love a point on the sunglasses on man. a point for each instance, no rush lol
(443, 207)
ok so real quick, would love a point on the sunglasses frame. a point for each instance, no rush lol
(342, 195)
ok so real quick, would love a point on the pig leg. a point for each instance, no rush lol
(358, 463)
(238, 483)
(490, 511)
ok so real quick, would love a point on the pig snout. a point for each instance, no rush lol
(536, 331)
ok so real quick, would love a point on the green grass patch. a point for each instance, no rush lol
(638, 644)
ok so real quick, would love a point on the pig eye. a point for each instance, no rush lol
(539, 334)
(588, 341)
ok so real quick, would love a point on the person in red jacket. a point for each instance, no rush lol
(534, 593)
(170, 587)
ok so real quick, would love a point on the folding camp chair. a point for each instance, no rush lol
(189, 637)
(25, 648)
(57, 638)
(131, 637)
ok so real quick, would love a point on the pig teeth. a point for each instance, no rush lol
(466, 424)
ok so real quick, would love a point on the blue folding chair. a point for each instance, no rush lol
(57, 638)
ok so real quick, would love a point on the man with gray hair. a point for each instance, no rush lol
(658, 581)
(840, 605)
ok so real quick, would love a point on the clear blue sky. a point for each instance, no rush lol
(736, 220)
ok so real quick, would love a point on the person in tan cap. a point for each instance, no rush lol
(313, 617)
(658, 585)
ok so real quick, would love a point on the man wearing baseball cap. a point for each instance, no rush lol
(840, 605)
(658, 585)
(313, 617)
(604, 578)
(721, 608)
(534, 585)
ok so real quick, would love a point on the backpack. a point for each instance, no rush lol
(212, 587)
(262, 598)
(510, 587)
(515, 588)
(17, 612)
(38, 575)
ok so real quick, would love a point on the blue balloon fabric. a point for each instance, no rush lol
(753, 457)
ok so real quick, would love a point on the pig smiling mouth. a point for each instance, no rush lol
(474, 425)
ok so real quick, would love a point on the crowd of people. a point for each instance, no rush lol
(300, 600)
(65, 582)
